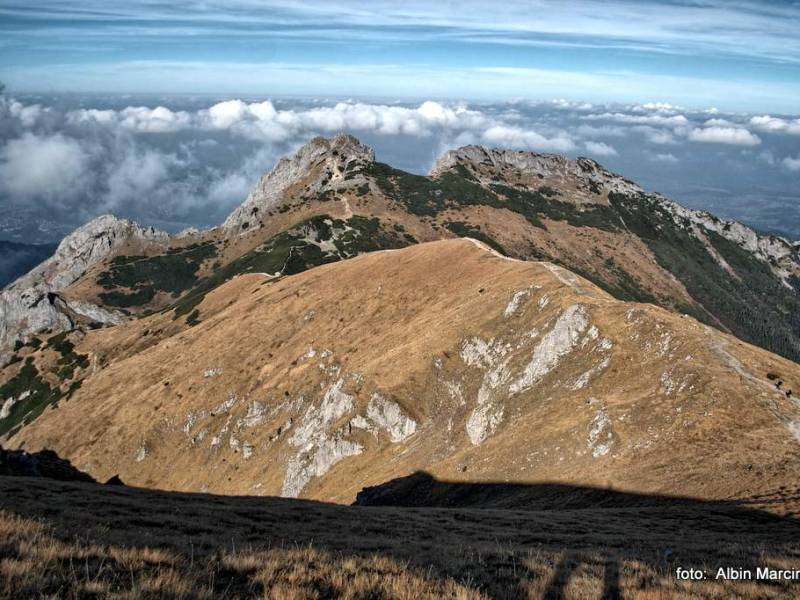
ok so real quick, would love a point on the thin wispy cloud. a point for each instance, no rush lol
(680, 27)
(741, 54)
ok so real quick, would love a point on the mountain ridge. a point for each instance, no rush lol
(528, 205)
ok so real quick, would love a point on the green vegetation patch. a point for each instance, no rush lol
(34, 343)
(69, 359)
(299, 249)
(60, 344)
(27, 380)
(462, 229)
(625, 287)
(127, 300)
(544, 203)
(174, 271)
(426, 196)
(38, 393)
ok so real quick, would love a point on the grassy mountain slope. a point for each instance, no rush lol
(443, 357)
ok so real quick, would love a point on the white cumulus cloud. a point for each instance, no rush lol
(666, 157)
(525, 139)
(27, 114)
(648, 119)
(776, 124)
(793, 164)
(600, 149)
(261, 121)
(735, 136)
(42, 166)
(665, 107)
(655, 135)
(135, 118)
(719, 123)
(136, 174)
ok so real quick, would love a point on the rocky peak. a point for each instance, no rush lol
(31, 304)
(90, 244)
(584, 180)
(532, 169)
(318, 166)
(493, 161)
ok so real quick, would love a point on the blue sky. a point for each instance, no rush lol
(734, 55)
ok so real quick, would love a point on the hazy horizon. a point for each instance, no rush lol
(186, 161)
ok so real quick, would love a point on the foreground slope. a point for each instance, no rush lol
(86, 540)
(444, 357)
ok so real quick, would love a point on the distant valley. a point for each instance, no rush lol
(16, 259)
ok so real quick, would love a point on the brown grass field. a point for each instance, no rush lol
(81, 540)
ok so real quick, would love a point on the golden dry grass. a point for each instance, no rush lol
(35, 563)
(69, 540)
(687, 410)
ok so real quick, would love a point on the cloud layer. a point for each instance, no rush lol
(42, 166)
(182, 162)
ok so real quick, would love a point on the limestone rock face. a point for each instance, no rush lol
(317, 167)
(489, 164)
(31, 304)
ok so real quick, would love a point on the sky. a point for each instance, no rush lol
(733, 54)
(169, 112)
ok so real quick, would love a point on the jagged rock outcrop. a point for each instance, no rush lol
(782, 256)
(318, 166)
(490, 165)
(32, 303)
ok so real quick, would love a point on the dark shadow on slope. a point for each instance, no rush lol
(421, 489)
(481, 534)
(657, 517)
(40, 464)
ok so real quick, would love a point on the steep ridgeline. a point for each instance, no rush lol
(443, 357)
(318, 170)
(34, 303)
(643, 247)
(635, 245)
